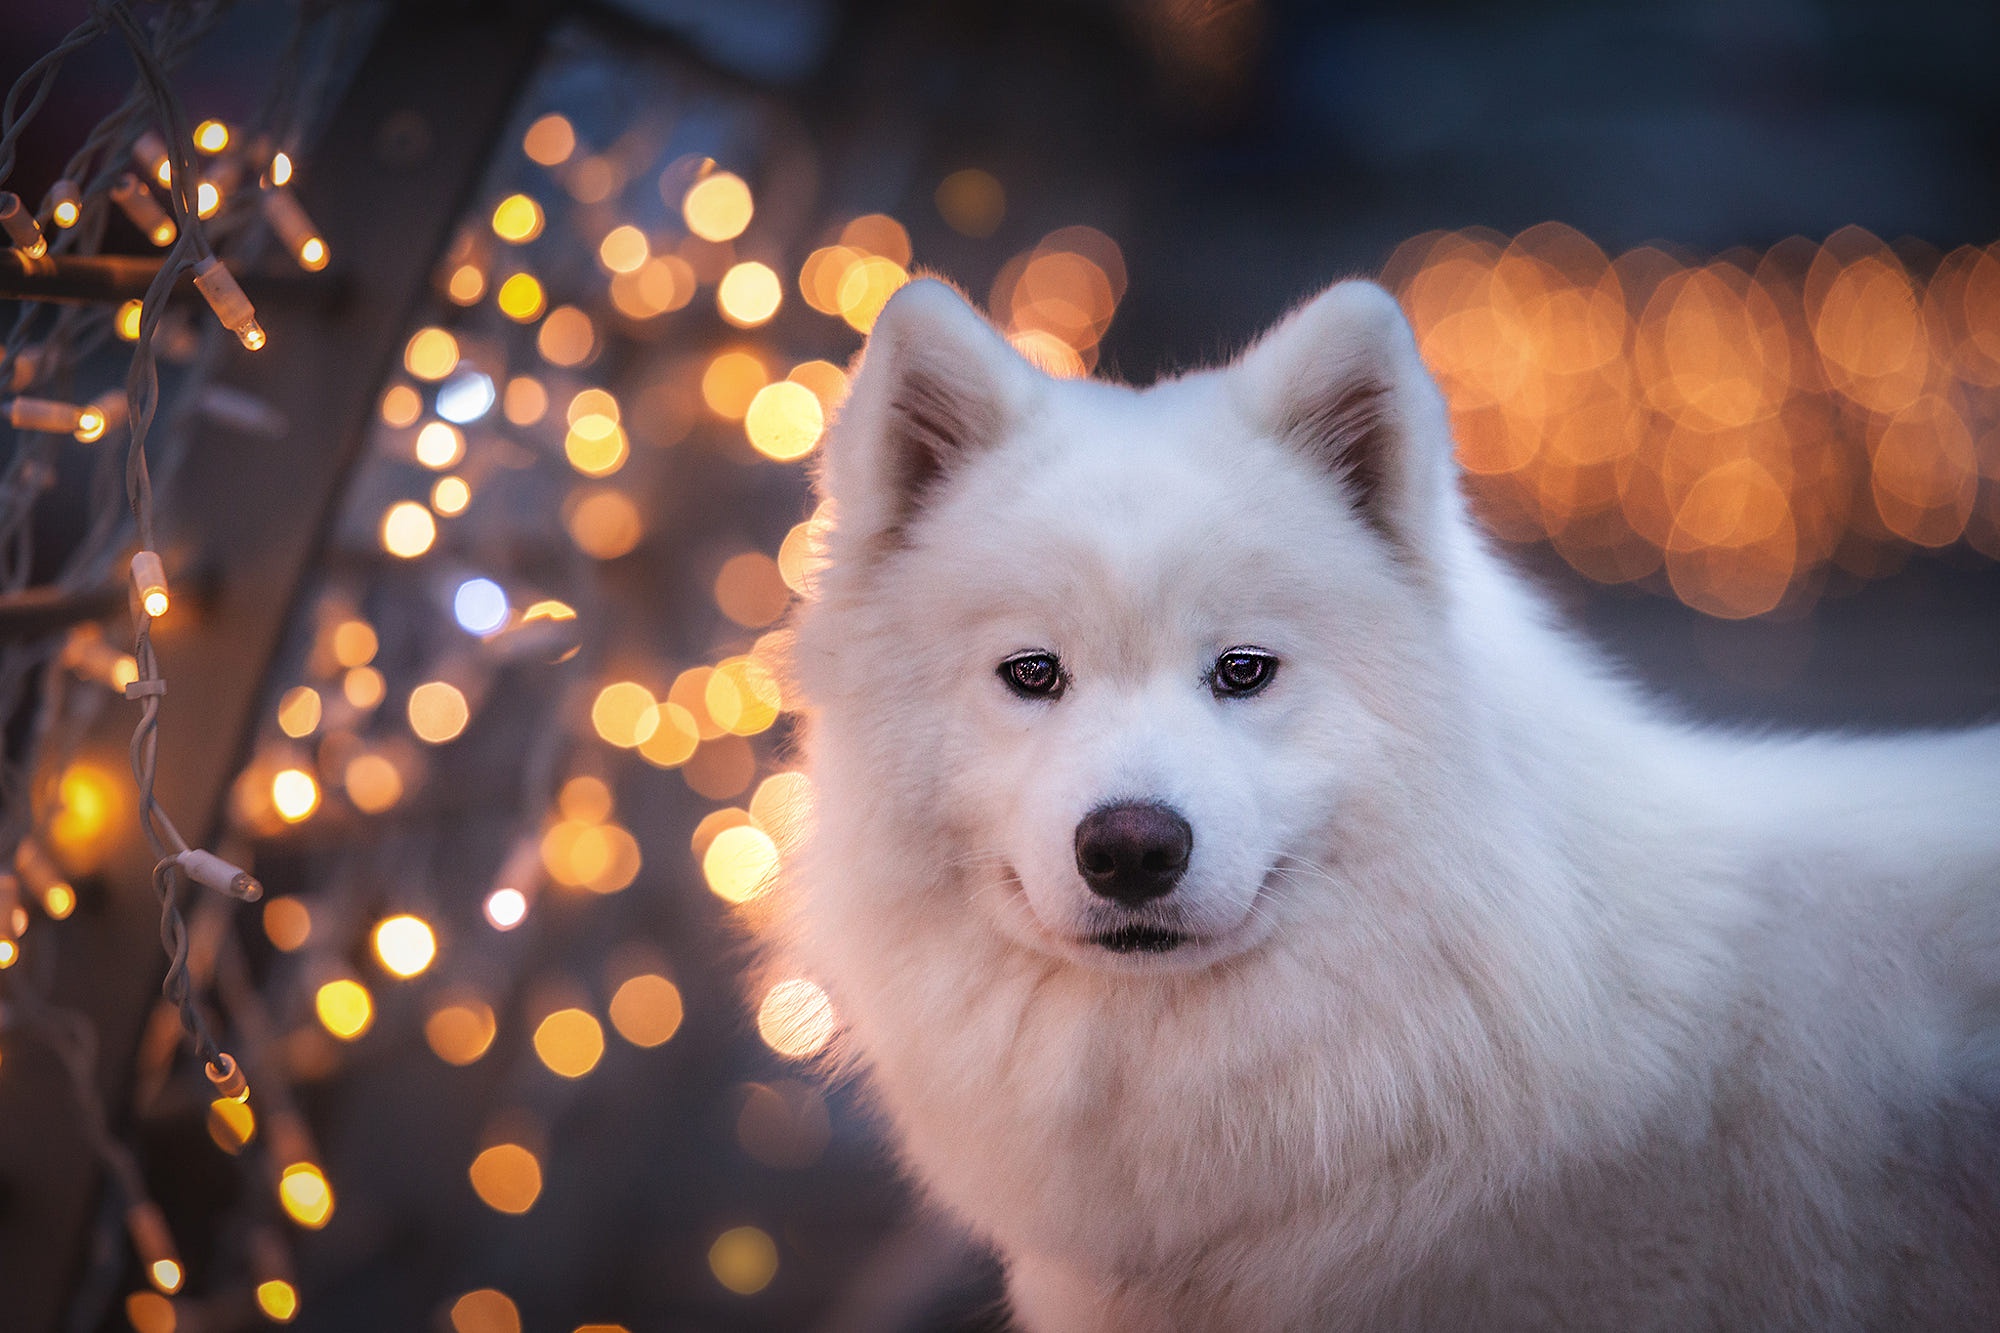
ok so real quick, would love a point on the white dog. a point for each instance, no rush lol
(1252, 913)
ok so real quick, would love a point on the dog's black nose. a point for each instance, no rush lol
(1133, 851)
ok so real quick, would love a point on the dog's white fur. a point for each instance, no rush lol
(1511, 1003)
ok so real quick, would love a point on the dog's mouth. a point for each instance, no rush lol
(1140, 939)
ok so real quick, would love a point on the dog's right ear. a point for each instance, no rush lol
(936, 383)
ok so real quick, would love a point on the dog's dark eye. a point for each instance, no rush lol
(1241, 671)
(1033, 675)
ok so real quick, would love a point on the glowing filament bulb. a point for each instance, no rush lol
(57, 897)
(150, 152)
(21, 227)
(295, 229)
(211, 136)
(149, 577)
(215, 282)
(136, 202)
(65, 203)
(90, 424)
(147, 1226)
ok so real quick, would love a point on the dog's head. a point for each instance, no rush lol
(1129, 667)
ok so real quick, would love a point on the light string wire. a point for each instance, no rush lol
(291, 104)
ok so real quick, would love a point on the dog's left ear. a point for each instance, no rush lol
(1340, 380)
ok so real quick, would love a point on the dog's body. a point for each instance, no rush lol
(1477, 995)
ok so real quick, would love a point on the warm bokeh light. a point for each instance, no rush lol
(150, 1312)
(646, 1009)
(585, 798)
(126, 322)
(731, 382)
(623, 249)
(438, 711)
(675, 740)
(364, 687)
(405, 944)
(750, 589)
(299, 711)
(549, 142)
(294, 794)
(796, 1019)
(625, 714)
(784, 420)
(461, 1032)
(287, 923)
(521, 299)
(439, 445)
(306, 1196)
(525, 401)
(517, 219)
(408, 530)
(278, 1300)
(744, 1259)
(355, 643)
(579, 854)
(485, 1310)
(749, 294)
(507, 1177)
(570, 1042)
(466, 284)
(972, 202)
(661, 284)
(401, 405)
(211, 136)
(506, 908)
(741, 864)
(1739, 432)
(596, 445)
(866, 287)
(431, 354)
(878, 234)
(231, 1124)
(450, 495)
(345, 1008)
(567, 337)
(89, 800)
(604, 523)
(717, 207)
(743, 696)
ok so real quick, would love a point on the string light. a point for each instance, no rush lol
(214, 281)
(56, 894)
(149, 151)
(154, 1243)
(288, 218)
(136, 202)
(13, 919)
(23, 232)
(65, 203)
(149, 581)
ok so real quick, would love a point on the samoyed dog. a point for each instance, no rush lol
(1251, 912)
